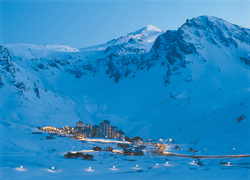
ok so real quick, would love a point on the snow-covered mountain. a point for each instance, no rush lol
(192, 85)
(136, 42)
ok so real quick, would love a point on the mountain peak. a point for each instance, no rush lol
(146, 29)
(152, 28)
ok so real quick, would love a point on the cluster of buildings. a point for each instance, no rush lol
(105, 130)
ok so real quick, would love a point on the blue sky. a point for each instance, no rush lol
(86, 23)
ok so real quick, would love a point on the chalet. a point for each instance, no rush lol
(88, 157)
(73, 155)
(123, 145)
(132, 152)
(97, 148)
(108, 149)
(136, 139)
(68, 155)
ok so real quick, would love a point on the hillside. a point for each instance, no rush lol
(192, 85)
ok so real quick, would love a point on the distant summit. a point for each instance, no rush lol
(145, 29)
(139, 41)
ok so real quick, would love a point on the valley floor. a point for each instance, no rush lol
(31, 156)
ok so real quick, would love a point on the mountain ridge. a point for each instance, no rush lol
(190, 71)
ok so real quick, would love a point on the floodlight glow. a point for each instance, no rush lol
(21, 167)
(53, 167)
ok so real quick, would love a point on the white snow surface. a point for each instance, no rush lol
(191, 86)
(142, 39)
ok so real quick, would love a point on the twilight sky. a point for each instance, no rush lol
(91, 22)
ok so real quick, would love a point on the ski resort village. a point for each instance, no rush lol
(105, 130)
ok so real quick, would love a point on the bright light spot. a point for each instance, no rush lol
(233, 148)
(166, 162)
(156, 164)
(113, 167)
(89, 169)
(53, 167)
(170, 140)
(205, 149)
(136, 165)
(228, 163)
(133, 149)
(20, 168)
(193, 161)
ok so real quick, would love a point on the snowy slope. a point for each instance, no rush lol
(139, 41)
(192, 85)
